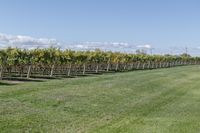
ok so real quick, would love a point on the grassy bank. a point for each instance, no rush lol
(164, 100)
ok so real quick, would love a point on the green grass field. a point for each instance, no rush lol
(161, 101)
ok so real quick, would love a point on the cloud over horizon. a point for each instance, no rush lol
(106, 46)
(146, 46)
(27, 42)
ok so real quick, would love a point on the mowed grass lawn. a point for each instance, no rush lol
(162, 101)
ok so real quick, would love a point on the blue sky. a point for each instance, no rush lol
(166, 25)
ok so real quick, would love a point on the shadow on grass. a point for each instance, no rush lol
(80, 75)
(42, 77)
(22, 79)
(6, 84)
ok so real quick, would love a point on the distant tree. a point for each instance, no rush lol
(141, 51)
(185, 55)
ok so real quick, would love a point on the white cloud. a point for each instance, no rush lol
(26, 42)
(107, 46)
(31, 43)
(147, 46)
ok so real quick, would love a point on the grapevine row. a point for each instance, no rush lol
(51, 62)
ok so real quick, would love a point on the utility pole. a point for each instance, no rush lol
(186, 50)
(151, 51)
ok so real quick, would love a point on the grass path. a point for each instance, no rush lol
(164, 100)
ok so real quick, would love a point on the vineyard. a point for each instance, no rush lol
(52, 62)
